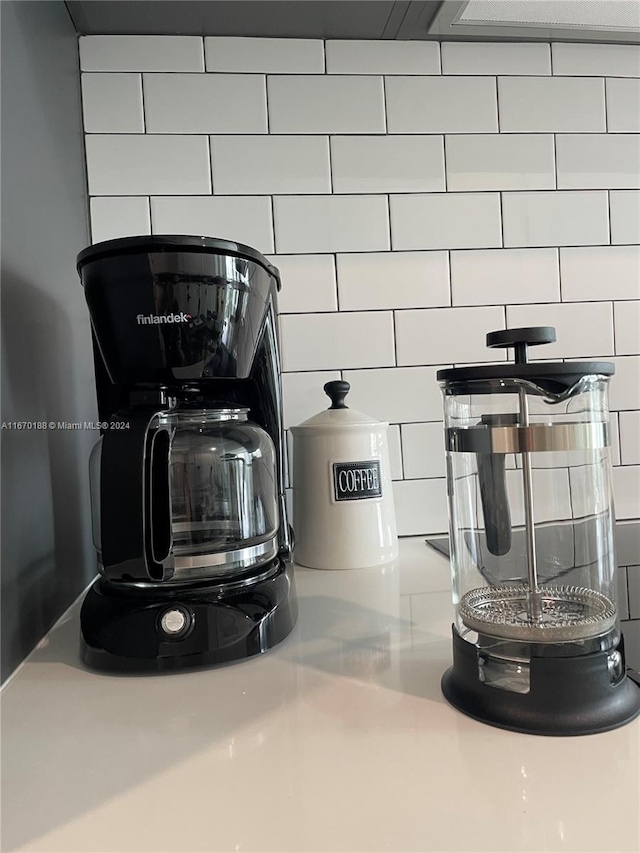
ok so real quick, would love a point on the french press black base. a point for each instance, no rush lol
(161, 630)
(567, 695)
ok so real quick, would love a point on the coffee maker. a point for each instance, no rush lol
(187, 479)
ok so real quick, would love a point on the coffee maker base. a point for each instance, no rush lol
(566, 695)
(126, 628)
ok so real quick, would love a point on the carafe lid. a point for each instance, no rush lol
(550, 376)
(338, 414)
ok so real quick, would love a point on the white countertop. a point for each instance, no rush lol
(337, 740)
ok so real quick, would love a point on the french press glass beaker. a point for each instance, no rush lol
(537, 643)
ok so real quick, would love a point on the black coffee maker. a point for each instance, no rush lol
(187, 479)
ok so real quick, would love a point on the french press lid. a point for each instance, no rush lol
(554, 377)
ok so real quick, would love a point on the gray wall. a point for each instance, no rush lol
(47, 371)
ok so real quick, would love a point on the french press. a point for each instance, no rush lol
(536, 641)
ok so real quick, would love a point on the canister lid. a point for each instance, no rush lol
(338, 414)
(548, 375)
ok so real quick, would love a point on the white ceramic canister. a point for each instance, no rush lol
(343, 513)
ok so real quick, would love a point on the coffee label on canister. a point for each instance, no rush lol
(356, 481)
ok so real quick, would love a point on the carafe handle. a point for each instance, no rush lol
(135, 498)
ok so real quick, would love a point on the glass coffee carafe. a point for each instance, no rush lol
(218, 471)
(537, 644)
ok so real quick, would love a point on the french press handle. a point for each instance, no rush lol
(135, 498)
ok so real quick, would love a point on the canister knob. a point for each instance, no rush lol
(337, 391)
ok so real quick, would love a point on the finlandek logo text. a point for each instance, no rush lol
(155, 319)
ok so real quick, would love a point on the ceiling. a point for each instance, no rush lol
(466, 20)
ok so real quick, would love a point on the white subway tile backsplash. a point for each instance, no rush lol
(500, 162)
(623, 105)
(551, 105)
(384, 280)
(382, 57)
(250, 165)
(555, 218)
(336, 341)
(598, 161)
(596, 60)
(246, 219)
(501, 276)
(441, 105)
(112, 103)
(386, 258)
(370, 164)
(627, 327)
(397, 395)
(303, 395)
(264, 55)
(440, 335)
(308, 283)
(141, 53)
(630, 438)
(582, 329)
(205, 103)
(113, 217)
(421, 506)
(625, 384)
(327, 104)
(313, 224)
(395, 451)
(626, 491)
(600, 273)
(625, 216)
(423, 451)
(445, 221)
(147, 165)
(460, 57)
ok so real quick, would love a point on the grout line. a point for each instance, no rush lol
(613, 325)
(266, 103)
(389, 231)
(210, 156)
(395, 339)
(606, 108)
(329, 138)
(384, 104)
(142, 98)
(335, 273)
(273, 227)
(150, 219)
(392, 133)
(569, 302)
(310, 74)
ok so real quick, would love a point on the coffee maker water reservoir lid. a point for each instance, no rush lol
(173, 243)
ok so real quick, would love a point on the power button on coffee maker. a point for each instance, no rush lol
(175, 623)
